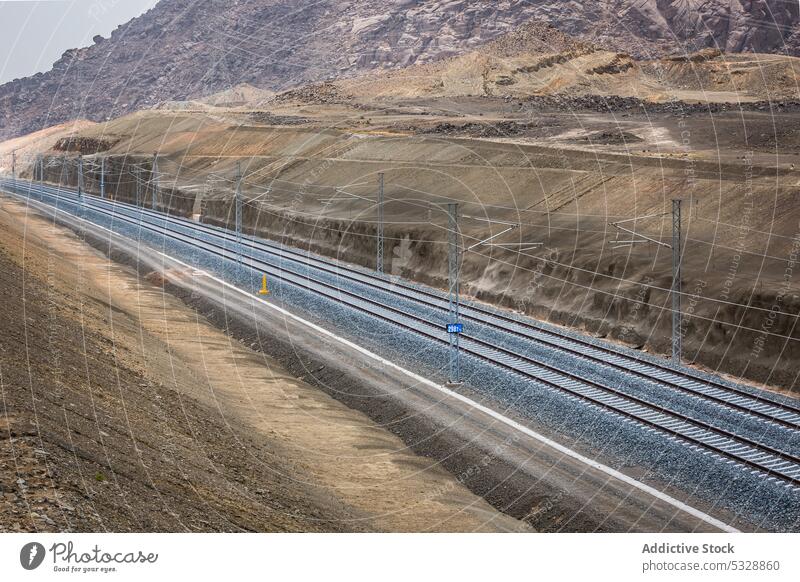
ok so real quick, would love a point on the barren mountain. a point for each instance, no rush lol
(520, 65)
(188, 49)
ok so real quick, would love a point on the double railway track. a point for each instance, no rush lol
(329, 280)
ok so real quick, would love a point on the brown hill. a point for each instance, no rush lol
(540, 60)
(27, 146)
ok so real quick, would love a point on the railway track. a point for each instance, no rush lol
(698, 434)
(762, 407)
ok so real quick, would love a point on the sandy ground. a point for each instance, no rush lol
(122, 409)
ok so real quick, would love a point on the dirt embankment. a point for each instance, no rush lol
(28, 146)
(123, 410)
(561, 180)
(125, 178)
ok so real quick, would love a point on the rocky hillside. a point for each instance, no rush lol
(649, 28)
(510, 67)
(184, 49)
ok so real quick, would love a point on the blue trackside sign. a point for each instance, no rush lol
(455, 328)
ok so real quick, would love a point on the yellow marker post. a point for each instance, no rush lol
(264, 290)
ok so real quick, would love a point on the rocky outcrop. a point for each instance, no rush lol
(188, 49)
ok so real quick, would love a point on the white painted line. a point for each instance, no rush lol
(488, 411)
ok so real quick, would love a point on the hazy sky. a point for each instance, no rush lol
(35, 33)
